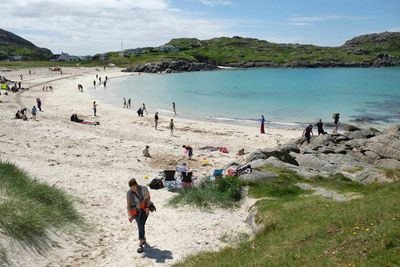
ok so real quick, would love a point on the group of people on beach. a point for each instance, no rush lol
(127, 104)
(98, 78)
(308, 133)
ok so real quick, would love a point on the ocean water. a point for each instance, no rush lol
(286, 97)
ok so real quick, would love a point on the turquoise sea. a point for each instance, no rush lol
(286, 97)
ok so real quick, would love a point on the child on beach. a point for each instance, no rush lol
(144, 109)
(125, 103)
(129, 103)
(34, 112)
(188, 151)
(173, 107)
(146, 152)
(39, 103)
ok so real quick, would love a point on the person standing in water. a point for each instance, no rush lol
(125, 103)
(173, 107)
(262, 130)
(129, 103)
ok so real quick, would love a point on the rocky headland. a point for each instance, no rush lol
(364, 156)
(171, 67)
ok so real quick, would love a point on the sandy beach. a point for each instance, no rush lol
(94, 163)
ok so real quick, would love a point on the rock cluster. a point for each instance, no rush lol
(171, 67)
(360, 154)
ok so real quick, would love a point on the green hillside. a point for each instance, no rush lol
(13, 45)
(367, 50)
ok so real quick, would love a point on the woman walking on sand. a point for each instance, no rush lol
(138, 201)
(262, 130)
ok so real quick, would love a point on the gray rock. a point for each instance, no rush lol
(309, 161)
(289, 148)
(322, 140)
(388, 163)
(393, 130)
(350, 128)
(266, 153)
(360, 134)
(256, 175)
(355, 143)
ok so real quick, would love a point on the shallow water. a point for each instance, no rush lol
(286, 97)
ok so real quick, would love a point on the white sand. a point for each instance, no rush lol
(94, 164)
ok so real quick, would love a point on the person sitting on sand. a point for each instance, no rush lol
(74, 118)
(146, 152)
(18, 115)
(308, 133)
(138, 201)
(140, 112)
(188, 151)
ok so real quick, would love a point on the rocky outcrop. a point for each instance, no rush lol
(171, 67)
(360, 154)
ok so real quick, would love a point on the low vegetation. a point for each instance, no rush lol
(222, 193)
(29, 209)
(302, 229)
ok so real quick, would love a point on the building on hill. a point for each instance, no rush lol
(64, 57)
(86, 58)
(104, 57)
(168, 48)
(15, 58)
(130, 52)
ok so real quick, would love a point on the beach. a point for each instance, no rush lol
(94, 163)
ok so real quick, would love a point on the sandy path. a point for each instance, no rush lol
(94, 164)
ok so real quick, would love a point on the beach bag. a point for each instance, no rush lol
(152, 207)
(156, 184)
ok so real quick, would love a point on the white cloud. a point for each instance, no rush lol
(297, 20)
(213, 3)
(92, 26)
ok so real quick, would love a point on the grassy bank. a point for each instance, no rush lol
(302, 229)
(30, 209)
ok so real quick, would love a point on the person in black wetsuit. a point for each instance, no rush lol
(308, 133)
(320, 127)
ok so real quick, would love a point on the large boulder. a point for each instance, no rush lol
(257, 175)
(267, 153)
(388, 163)
(360, 134)
(393, 130)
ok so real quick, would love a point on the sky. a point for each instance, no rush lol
(87, 27)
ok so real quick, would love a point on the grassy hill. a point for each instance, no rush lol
(367, 50)
(14, 45)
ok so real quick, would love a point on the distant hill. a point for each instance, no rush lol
(371, 50)
(14, 45)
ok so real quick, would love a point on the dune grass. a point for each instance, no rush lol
(222, 193)
(302, 229)
(30, 209)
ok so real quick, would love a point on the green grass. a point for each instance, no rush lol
(307, 230)
(30, 209)
(225, 192)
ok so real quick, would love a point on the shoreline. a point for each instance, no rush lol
(94, 163)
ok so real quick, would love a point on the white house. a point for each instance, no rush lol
(66, 57)
(168, 48)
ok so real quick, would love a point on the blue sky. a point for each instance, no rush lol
(92, 26)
